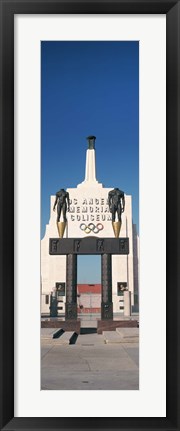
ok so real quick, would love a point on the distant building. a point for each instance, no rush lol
(89, 298)
(89, 205)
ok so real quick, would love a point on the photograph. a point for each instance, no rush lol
(90, 215)
(89, 269)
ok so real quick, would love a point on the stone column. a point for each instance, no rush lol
(71, 287)
(106, 283)
(127, 303)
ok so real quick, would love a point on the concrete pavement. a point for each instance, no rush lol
(91, 363)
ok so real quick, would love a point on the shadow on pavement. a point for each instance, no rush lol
(84, 331)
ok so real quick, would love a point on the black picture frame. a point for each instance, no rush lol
(60, 288)
(7, 10)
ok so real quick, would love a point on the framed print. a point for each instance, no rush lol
(26, 27)
(75, 375)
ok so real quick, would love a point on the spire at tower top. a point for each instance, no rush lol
(91, 142)
(90, 170)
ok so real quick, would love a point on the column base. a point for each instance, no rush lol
(111, 325)
(71, 311)
(106, 310)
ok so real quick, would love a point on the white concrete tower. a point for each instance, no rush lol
(90, 169)
(89, 205)
(90, 173)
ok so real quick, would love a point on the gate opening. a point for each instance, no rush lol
(89, 286)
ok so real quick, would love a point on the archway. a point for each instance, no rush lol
(92, 245)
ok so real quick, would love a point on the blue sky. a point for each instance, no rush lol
(89, 88)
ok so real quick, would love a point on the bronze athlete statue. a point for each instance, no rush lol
(63, 205)
(116, 201)
(62, 200)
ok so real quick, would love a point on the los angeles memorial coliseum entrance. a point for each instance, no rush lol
(71, 247)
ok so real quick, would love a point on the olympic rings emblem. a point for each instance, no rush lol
(91, 227)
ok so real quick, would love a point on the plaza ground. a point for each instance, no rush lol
(92, 362)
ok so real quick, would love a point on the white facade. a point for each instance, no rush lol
(89, 205)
